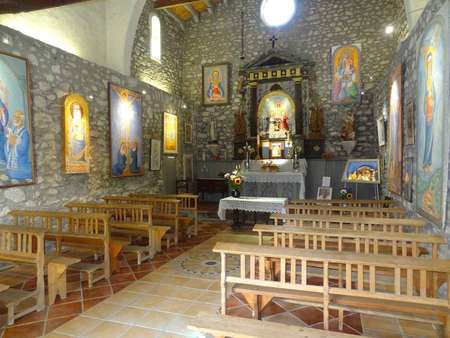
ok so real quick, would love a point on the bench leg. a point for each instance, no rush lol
(11, 314)
(326, 301)
(115, 250)
(57, 282)
(90, 279)
(257, 307)
(341, 319)
(139, 258)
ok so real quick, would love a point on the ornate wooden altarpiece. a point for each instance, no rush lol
(273, 89)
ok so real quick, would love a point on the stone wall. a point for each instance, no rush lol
(167, 74)
(318, 26)
(407, 55)
(53, 74)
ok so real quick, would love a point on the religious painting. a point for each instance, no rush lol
(395, 133)
(276, 115)
(170, 144)
(155, 155)
(16, 140)
(410, 124)
(125, 109)
(346, 74)
(216, 84)
(431, 120)
(362, 171)
(381, 132)
(76, 135)
(188, 133)
(408, 179)
(188, 167)
(277, 149)
(324, 193)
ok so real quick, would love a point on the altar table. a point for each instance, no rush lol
(251, 204)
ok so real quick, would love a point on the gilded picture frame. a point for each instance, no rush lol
(16, 125)
(126, 141)
(170, 140)
(76, 149)
(216, 84)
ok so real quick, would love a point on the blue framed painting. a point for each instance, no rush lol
(431, 119)
(125, 109)
(16, 139)
(362, 171)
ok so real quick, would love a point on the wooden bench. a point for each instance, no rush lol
(374, 242)
(322, 210)
(130, 220)
(238, 327)
(23, 245)
(360, 292)
(351, 223)
(75, 230)
(166, 212)
(349, 203)
(189, 204)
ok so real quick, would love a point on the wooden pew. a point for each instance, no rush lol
(356, 294)
(322, 210)
(166, 212)
(189, 204)
(369, 242)
(238, 327)
(349, 203)
(75, 230)
(131, 220)
(23, 245)
(351, 223)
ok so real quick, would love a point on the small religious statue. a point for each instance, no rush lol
(348, 131)
(212, 132)
(316, 122)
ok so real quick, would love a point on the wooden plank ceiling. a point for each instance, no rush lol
(17, 6)
(186, 10)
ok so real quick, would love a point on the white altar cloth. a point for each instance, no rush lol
(252, 204)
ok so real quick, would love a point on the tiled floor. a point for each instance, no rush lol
(158, 298)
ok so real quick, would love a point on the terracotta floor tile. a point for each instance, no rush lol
(120, 286)
(74, 296)
(285, 318)
(32, 330)
(56, 335)
(96, 292)
(64, 310)
(32, 317)
(334, 326)
(103, 310)
(243, 311)
(52, 324)
(382, 334)
(309, 315)
(272, 309)
(124, 298)
(120, 278)
(89, 303)
(129, 315)
(354, 321)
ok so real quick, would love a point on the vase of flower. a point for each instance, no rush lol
(235, 181)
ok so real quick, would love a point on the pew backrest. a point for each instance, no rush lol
(188, 201)
(351, 223)
(375, 242)
(348, 203)
(322, 210)
(160, 206)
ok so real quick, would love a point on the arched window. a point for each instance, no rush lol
(155, 38)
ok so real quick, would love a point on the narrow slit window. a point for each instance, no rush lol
(155, 38)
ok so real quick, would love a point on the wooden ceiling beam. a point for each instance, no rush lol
(193, 12)
(210, 6)
(175, 18)
(18, 6)
(160, 4)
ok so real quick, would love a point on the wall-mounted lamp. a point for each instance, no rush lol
(144, 92)
(5, 40)
(91, 97)
(184, 106)
(389, 29)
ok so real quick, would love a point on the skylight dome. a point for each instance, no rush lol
(275, 13)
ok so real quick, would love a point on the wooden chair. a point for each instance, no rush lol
(360, 292)
(238, 327)
(75, 230)
(23, 245)
(166, 212)
(322, 210)
(351, 223)
(189, 204)
(130, 220)
(349, 203)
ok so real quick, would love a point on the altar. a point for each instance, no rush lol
(286, 182)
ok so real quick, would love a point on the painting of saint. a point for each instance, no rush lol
(216, 84)
(431, 121)
(16, 147)
(76, 132)
(346, 67)
(395, 133)
(126, 132)
(276, 115)
(170, 144)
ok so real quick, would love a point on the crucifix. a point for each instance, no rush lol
(274, 40)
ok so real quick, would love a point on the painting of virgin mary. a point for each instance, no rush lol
(346, 84)
(431, 121)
